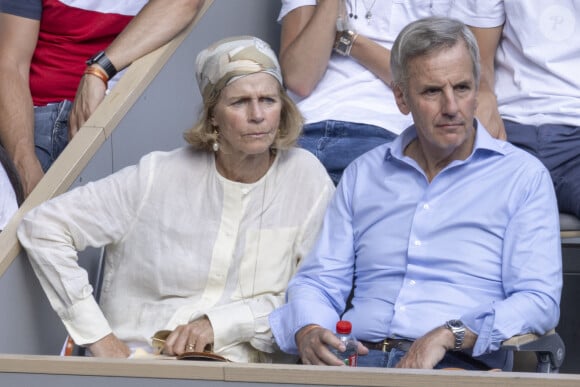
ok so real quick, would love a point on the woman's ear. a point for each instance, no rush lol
(400, 98)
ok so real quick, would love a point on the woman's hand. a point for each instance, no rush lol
(109, 346)
(192, 337)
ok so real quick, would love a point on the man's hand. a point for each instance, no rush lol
(428, 350)
(313, 342)
(109, 346)
(90, 93)
(30, 172)
(489, 116)
(192, 337)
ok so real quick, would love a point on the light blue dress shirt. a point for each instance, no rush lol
(479, 243)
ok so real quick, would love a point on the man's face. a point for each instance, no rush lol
(442, 98)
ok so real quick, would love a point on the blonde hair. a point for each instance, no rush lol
(203, 134)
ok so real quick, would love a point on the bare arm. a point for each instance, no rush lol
(155, 25)
(488, 41)
(428, 350)
(18, 38)
(307, 38)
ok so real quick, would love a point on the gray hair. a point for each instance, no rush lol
(428, 35)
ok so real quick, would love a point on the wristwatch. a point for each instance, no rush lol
(344, 42)
(102, 60)
(458, 329)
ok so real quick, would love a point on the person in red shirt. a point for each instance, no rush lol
(45, 46)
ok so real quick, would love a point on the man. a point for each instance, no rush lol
(450, 236)
(530, 59)
(45, 44)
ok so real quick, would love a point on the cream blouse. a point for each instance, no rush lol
(182, 242)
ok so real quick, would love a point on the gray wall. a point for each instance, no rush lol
(157, 121)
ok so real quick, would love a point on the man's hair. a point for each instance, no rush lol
(426, 36)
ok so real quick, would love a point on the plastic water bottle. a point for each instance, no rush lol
(343, 332)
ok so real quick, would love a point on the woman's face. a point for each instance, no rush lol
(247, 115)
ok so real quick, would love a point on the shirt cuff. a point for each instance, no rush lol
(85, 322)
(232, 324)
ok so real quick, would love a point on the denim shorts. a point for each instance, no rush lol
(338, 143)
(51, 131)
(558, 148)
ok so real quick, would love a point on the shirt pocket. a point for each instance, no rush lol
(269, 262)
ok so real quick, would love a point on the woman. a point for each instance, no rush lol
(335, 59)
(201, 240)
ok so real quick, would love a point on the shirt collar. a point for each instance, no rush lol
(484, 142)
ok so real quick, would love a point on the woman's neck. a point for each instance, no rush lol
(247, 169)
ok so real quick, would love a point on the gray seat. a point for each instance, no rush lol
(544, 353)
(569, 226)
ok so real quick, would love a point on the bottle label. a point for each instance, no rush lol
(351, 360)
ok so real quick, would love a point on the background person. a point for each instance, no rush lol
(45, 44)
(335, 59)
(450, 236)
(201, 240)
(11, 195)
(530, 60)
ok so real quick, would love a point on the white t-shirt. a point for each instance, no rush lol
(348, 91)
(537, 62)
(8, 203)
(182, 242)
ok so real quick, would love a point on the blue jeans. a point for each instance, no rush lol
(558, 147)
(390, 359)
(51, 131)
(337, 143)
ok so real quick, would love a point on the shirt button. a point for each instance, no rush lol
(426, 206)
(417, 242)
(402, 308)
(412, 283)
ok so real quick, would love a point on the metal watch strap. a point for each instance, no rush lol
(102, 60)
(458, 329)
(343, 43)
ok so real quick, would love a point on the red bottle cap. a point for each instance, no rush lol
(343, 327)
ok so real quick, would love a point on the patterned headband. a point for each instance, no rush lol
(231, 58)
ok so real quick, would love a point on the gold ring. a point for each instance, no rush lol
(190, 347)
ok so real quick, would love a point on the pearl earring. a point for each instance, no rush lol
(216, 145)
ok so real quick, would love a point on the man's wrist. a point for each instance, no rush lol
(304, 331)
(103, 61)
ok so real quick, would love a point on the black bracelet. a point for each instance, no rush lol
(102, 60)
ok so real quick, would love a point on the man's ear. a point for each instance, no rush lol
(400, 98)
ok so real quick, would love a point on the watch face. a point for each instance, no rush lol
(455, 323)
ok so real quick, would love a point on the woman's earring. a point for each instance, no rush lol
(216, 145)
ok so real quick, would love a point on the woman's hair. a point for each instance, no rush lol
(222, 63)
(202, 135)
(428, 35)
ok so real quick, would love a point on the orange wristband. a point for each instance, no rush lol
(97, 72)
